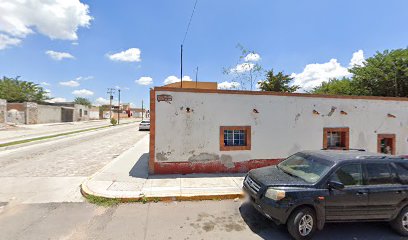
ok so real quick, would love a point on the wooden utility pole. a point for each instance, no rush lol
(142, 110)
(111, 91)
(118, 106)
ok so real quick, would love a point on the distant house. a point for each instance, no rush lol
(192, 84)
(138, 112)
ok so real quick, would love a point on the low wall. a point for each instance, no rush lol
(49, 114)
(3, 111)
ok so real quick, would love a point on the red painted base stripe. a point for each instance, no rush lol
(211, 167)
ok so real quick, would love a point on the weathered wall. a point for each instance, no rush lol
(3, 112)
(16, 113)
(94, 113)
(16, 106)
(77, 113)
(280, 125)
(49, 114)
(31, 113)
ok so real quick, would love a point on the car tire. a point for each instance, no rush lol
(400, 223)
(302, 223)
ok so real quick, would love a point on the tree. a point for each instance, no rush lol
(384, 74)
(344, 86)
(277, 83)
(83, 101)
(15, 90)
(246, 71)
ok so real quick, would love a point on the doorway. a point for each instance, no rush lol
(386, 143)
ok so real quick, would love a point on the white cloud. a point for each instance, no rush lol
(229, 85)
(75, 43)
(71, 83)
(101, 101)
(243, 67)
(82, 92)
(357, 59)
(130, 55)
(314, 74)
(45, 84)
(58, 55)
(252, 57)
(80, 78)
(144, 81)
(56, 100)
(6, 41)
(173, 79)
(57, 19)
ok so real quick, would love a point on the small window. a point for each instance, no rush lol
(85, 112)
(349, 175)
(235, 138)
(80, 112)
(336, 138)
(379, 174)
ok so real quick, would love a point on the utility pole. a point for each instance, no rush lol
(142, 110)
(118, 106)
(111, 91)
(181, 66)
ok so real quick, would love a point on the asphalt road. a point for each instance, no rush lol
(173, 220)
(52, 171)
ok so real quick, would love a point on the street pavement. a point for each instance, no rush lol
(227, 219)
(19, 132)
(40, 199)
(52, 171)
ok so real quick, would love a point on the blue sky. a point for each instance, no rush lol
(311, 40)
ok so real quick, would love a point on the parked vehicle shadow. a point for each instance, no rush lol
(266, 229)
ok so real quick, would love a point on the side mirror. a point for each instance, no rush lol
(335, 185)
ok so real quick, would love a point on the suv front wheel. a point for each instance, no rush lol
(302, 223)
(400, 223)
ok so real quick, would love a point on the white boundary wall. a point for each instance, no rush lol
(282, 126)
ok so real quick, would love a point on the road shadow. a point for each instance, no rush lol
(266, 229)
(141, 167)
(260, 225)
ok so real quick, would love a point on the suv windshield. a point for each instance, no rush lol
(305, 167)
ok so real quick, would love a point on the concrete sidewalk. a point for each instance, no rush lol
(127, 178)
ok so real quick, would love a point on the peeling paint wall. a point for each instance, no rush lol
(3, 112)
(187, 127)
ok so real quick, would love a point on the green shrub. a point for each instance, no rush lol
(114, 121)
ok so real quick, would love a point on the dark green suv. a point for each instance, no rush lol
(313, 187)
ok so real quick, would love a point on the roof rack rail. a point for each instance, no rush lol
(346, 149)
(372, 157)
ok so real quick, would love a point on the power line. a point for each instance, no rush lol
(189, 22)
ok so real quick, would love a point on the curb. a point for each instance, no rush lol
(85, 191)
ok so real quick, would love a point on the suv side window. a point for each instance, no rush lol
(379, 174)
(349, 175)
(402, 171)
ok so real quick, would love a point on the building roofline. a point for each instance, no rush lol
(267, 93)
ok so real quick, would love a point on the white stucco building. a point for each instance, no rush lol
(208, 130)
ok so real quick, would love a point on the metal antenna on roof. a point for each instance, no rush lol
(196, 77)
(184, 39)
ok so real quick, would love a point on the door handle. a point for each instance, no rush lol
(361, 193)
(399, 192)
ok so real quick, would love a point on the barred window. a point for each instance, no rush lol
(235, 138)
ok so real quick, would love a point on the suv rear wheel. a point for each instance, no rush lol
(400, 223)
(302, 223)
